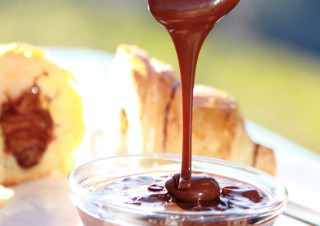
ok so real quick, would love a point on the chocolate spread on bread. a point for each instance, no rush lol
(27, 127)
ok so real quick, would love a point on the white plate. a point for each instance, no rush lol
(45, 202)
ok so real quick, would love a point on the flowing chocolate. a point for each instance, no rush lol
(188, 23)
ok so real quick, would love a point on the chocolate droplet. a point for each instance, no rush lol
(155, 188)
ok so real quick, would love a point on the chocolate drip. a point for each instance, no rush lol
(188, 23)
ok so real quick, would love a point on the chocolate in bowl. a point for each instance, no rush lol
(114, 191)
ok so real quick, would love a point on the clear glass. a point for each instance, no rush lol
(96, 209)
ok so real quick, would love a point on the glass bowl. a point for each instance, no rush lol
(96, 193)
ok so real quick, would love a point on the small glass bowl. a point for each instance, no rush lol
(96, 210)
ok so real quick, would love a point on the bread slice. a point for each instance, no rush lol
(149, 110)
(36, 95)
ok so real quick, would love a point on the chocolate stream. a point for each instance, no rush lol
(188, 23)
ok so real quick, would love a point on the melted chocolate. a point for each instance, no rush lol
(229, 197)
(188, 23)
(202, 188)
(27, 127)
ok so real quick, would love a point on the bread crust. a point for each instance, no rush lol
(265, 159)
(154, 115)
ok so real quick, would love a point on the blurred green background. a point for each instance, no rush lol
(266, 54)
